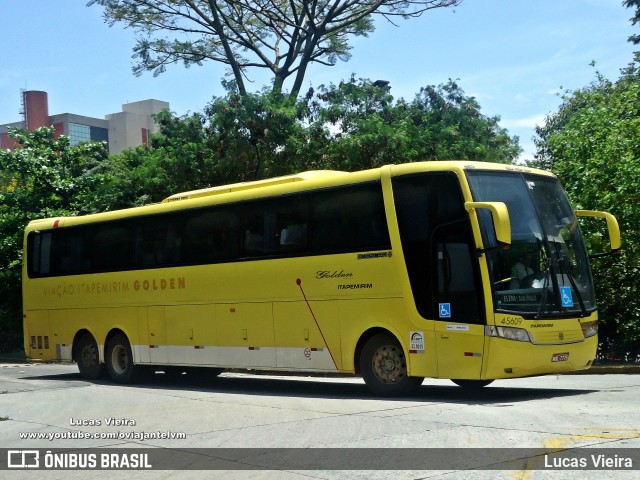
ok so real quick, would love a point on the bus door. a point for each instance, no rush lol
(443, 270)
(459, 326)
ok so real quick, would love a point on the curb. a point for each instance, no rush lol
(607, 370)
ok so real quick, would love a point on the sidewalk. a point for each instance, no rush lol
(607, 370)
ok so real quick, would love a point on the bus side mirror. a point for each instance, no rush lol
(500, 216)
(612, 227)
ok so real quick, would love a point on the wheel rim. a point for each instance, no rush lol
(89, 356)
(119, 359)
(388, 364)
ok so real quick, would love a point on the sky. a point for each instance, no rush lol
(514, 56)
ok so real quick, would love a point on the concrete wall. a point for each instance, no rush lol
(131, 127)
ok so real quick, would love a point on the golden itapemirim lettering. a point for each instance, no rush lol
(99, 288)
(172, 283)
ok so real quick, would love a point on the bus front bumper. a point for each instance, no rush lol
(513, 359)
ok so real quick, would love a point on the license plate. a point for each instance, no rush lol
(560, 357)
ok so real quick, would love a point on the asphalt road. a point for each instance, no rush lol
(239, 411)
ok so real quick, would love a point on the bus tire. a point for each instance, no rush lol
(119, 360)
(383, 366)
(88, 357)
(471, 384)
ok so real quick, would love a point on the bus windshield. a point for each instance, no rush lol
(545, 273)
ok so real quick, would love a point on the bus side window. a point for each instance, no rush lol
(275, 227)
(210, 236)
(348, 219)
(156, 242)
(255, 228)
(39, 248)
(110, 249)
(291, 225)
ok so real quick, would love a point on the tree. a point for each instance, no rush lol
(259, 135)
(448, 125)
(43, 177)
(354, 125)
(180, 157)
(593, 144)
(635, 39)
(237, 138)
(370, 129)
(282, 36)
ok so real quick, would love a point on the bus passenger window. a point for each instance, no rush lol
(155, 243)
(275, 227)
(291, 225)
(256, 221)
(211, 236)
(348, 219)
(110, 248)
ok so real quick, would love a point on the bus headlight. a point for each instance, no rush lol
(510, 333)
(589, 329)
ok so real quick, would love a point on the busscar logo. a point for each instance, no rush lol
(23, 459)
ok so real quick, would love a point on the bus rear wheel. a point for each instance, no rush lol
(472, 384)
(119, 360)
(383, 366)
(88, 357)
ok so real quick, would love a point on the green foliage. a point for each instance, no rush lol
(635, 39)
(238, 138)
(449, 125)
(257, 135)
(593, 145)
(351, 126)
(180, 157)
(43, 177)
(361, 126)
(441, 123)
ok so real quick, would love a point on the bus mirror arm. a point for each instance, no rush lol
(612, 227)
(500, 246)
(501, 223)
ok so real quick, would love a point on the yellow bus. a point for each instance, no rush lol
(459, 270)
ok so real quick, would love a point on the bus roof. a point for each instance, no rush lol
(275, 186)
(319, 174)
(236, 187)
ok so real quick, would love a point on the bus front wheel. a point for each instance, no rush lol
(88, 357)
(119, 360)
(383, 366)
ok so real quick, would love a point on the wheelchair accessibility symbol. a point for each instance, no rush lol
(566, 296)
(444, 310)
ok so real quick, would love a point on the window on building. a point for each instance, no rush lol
(79, 133)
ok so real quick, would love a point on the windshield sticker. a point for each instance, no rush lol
(566, 296)
(444, 310)
(417, 342)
